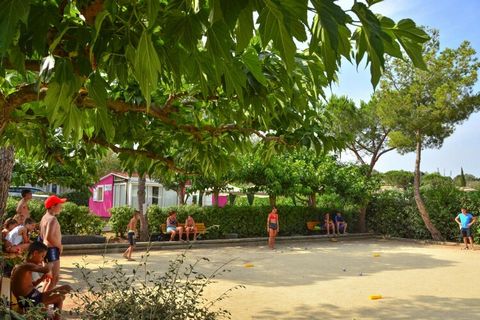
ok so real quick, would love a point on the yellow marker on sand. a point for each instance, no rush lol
(376, 255)
(375, 297)
(248, 265)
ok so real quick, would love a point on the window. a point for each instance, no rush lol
(98, 194)
(155, 197)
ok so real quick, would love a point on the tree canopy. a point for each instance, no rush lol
(169, 82)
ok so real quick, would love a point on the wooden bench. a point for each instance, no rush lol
(312, 224)
(201, 228)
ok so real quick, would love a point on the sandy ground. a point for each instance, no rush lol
(333, 280)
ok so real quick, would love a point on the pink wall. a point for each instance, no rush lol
(102, 208)
(222, 200)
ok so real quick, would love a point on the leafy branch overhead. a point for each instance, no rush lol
(185, 80)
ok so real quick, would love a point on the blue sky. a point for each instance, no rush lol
(457, 20)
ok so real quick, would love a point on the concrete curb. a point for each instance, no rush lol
(424, 242)
(97, 248)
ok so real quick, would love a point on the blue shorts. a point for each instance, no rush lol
(466, 232)
(171, 229)
(272, 226)
(34, 298)
(53, 254)
(131, 238)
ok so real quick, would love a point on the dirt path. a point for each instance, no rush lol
(334, 280)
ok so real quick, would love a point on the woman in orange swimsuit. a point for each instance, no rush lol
(272, 227)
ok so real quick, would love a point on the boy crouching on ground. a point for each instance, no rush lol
(23, 287)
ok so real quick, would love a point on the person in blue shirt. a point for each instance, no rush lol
(465, 221)
(340, 223)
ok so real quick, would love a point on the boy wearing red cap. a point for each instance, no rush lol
(51, 236)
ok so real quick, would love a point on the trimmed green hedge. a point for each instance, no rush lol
(396, 214)
(246, 221)
(76, 220)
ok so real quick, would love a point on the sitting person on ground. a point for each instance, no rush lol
(340, 223)
(24, 287)
(328, 223)
(465, 221)
(190, 227)
(8, 226)
(132, 230)
(19, 238)
(20, 219)
(172, 228)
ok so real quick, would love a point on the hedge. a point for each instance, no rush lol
(73, 219)
(396, 214)
(246, 221)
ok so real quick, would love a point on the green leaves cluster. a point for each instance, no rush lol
(168, 83)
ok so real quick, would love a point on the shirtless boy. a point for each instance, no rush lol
(23, 287)
(132, 229)
(51, 236)
(190, 227)
(22, 207)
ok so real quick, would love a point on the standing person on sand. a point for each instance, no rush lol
(22, 207)
(51, 236)
(272, 227)
(132, 230)
(465, 221)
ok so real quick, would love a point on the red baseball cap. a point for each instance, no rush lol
(54, 200)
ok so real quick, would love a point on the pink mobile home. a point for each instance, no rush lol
(119, 189)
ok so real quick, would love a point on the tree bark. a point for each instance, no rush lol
(181, 193)
(200, 198)
(7, 161)
(273, 200)
(216, 194)
(312, 200)
(143, 215)
(362, 217)
(436, 235)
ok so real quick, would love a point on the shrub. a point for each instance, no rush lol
(74, 219)
(120, 218)
(176, 295)
(396, 214)
(78, 197)
(78, 220)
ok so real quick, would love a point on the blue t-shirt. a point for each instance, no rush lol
(338, 219)
(465, 219)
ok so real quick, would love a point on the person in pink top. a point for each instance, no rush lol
(272, 227)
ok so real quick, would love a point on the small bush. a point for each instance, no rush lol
(176, 295)
(78, 220)
(78, 197)
(73, 219)
(120, 218)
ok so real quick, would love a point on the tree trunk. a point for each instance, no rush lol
(181, 193)
(312, 200)
(362, 223)
(200, 198)
(141, 202)
(7, 160)
(436, 235)
(273, 200)
(215, 198)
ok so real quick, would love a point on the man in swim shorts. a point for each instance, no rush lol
(51, 236)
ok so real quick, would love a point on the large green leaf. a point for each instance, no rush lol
(11, 13)
(147, 66)
(244, 29)
(250, 58)
(411, 38)
(272, 27)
